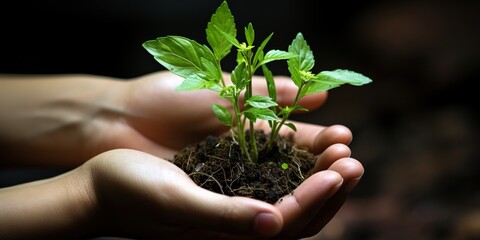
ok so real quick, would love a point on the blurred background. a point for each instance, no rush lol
(415, 127)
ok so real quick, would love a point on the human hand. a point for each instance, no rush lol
(80, 116)
(192, 119)
(315, 202)
(157, 119)
(135, 116)
(129, 193)
(139, 195)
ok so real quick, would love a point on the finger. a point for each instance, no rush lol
(348, 168)
(327, 137)
(171, 204)
(306, 201)
(351, 170)
(330, 155)
(228, 215)
(318, 138)
(314, 137)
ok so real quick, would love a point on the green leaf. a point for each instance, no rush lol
(312, 87)
(259, 53)
(230, 38)
(327, 80)
(291, 126)
(222, 114)
(305, 60)
(284, 166)
(287, 110)
(295, 73)
(342, 76)
(180, 55)
(250, 34)
(258, 101)
(212, 69)
(274, 55)
(299, 108)
(228, 92)
(195, 81)
(215, 87)
(239, 76)
(272, 91)
(221, 20)
(240, 58)
(260, 113)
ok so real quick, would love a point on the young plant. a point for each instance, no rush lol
(201, 68)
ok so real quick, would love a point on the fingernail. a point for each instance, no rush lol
(351, 184)
(266, 225)
(335, 189)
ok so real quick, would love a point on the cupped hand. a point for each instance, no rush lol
(153, 117)
(141, 196)
(316, 200)
(158, 120)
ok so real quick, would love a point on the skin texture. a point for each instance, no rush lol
(118, 137)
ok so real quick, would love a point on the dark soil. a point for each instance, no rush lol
(217, 164)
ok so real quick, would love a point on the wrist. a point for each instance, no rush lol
(56, 113)
(106, 108)
(62, 207)
(82, 204)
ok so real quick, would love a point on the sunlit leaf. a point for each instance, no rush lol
(221, 21)
(258, 101)
(222, 114)
(195, 81)
(180, 55)
(239, 76)
(260, 113)
(305, 60)
(259, 52)
(291, 126)
(250, 34)
(274, 55)
(343, 76)
(272, 91)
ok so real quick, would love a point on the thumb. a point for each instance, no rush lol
(231, 215)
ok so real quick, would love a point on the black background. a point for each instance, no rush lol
(415, 127)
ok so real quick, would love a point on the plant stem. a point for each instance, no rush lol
(253, 140)
(249, 93)
(222, 80)
(276, 127)
(240, 128)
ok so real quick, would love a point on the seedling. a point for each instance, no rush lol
(201, 68)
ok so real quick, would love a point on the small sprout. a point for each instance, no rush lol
(200, 66)
(245, 48)
(306, 75)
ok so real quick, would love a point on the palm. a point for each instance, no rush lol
(183, 116)
(173, 206)
(160, 120)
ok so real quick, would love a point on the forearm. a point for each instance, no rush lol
(56, 208)
(45, 120)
